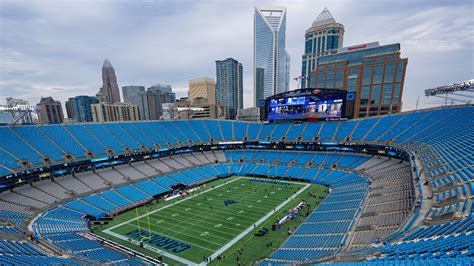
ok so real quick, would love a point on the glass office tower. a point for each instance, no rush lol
(271, 61)
(229, 87)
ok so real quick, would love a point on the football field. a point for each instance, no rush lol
(206, 222)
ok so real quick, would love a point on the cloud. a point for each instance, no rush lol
(56, 48)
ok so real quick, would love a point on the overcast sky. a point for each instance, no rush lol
(56, 48)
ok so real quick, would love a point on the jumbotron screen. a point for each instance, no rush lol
(319, 106)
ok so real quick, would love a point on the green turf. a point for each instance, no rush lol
(191, 222)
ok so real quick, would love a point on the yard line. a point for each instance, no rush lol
(263, 219)
(170, 205)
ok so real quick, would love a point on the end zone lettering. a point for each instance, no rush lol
(163, 242)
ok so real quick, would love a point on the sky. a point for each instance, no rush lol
(57, 48)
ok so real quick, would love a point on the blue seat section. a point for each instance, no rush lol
(200, 129)
(80, 206)
(345, 129)
(115, 198)
(162, 133)
(328, 129)
(18, 248)
(295, 131)
(455, 227)
(133, 130)
(266, 132)
(106, 137)
(8, 160)
(89, 249)
(164, 181)
(384, 124)
(176, 132)
(64, 140)
(37, 139)
(122, 136)
(132, 193)
(240, 130)
(253, 130)
(151, 187)
(88, 140)
(214, 129)
(311, 131)
(101, 203)
(363, 127)
(145, 128)
(60, 220)
(187, 131)
(226, 129)
(405, 122)
(10, 230)
(280, 131)
(13, 217)
(12, 143)
(21, 259)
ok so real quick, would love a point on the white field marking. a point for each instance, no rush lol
(258, 201)
(188, 242)
(220, 194)
(241, 211)
(273, 192)
(237, 224)
(187, 209)
(205, 233)
(263, 219)
(170, 205)
(159, 221)
(279, 188)
(223, 248)
(250, 206)
(228, 191)
(230, 218)
(217, 225)
(266, 196)
(199, 204)
(174, 215)
(153, 249)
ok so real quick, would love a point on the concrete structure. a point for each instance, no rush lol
(83, 107)
(202, 88)
(71, 108)
(199, 108)
(162, 87)
(324, 37)
(50, 111)
(373, 76)
(249, 114)
(150, 105)
(270, 58)
(229, 88)
(130, 93)
(110, 88)
(103, 112)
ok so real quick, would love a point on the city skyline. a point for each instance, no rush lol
(426, 34)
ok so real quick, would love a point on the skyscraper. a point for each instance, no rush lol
(71, 108)
(102, 112)
(270, 59)
(150, 105)
(229, 88)
(50, 111)
(323, 38)
(110, 88)
(130, 93)
(83, 107)
(202, 88)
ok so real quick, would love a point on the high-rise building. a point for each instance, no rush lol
(373, 76)
(162, 87)
(83, 107)
(270, 59)
(229, 88)
(199, 108)
(13, 102)
(103, 112)
(50, 111)
(150, 105)
(110, 88)
(202, 88)
(324, 37)
(130, 93)
(71, 108)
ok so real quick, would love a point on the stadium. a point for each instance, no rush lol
(393, 189)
